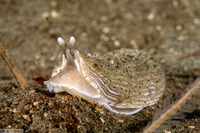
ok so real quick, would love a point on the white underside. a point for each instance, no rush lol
(135, 110)
(63, 87)
(74, 91)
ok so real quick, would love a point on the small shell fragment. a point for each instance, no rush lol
(123, 81)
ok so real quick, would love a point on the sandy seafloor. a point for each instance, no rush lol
(167, 29)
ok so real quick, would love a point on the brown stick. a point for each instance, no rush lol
(21, 80)
(189, 55)
(191, 91)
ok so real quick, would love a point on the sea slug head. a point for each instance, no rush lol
(68, 76)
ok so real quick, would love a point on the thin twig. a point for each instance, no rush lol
(191, 91)
(21, 80)
(189, 55)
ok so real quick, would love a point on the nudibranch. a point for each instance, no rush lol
(123, 81)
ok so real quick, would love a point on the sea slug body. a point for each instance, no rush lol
(123, 81)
